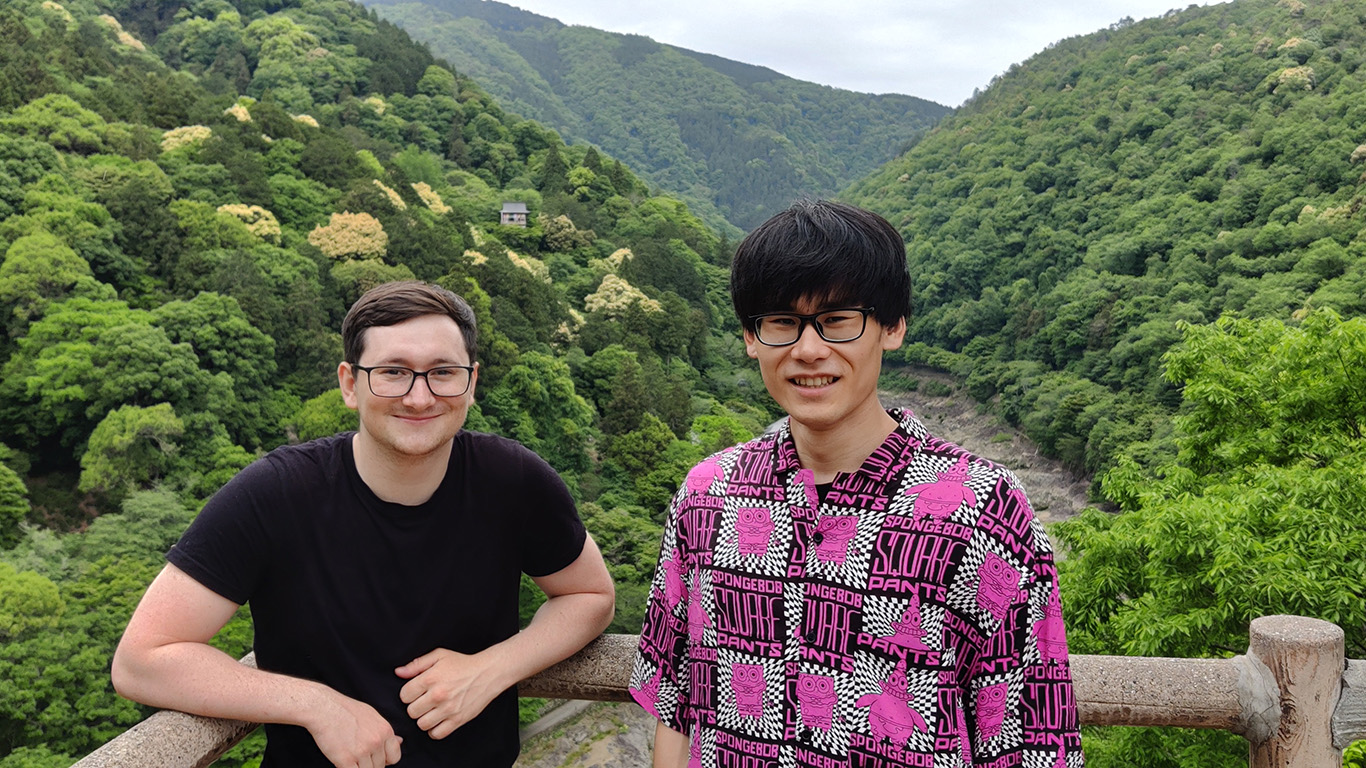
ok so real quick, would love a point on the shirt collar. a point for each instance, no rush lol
(786, 461)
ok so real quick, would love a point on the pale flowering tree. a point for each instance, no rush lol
(239, 111)
(536, 267)
(393, 196)
(308, 120)
(431, 198)
(568, 331)
(1295, 79)
(60, 10)
(259, 221)
(561, 235)
(184, 136)
(615, 296)
(350, 236)
(123, 36)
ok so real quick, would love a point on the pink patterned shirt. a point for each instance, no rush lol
(909, 617)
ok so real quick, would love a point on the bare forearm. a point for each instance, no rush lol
(671, 747)
(561, 626)
(197, 678)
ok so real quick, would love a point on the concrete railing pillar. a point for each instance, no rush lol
(1307, 657)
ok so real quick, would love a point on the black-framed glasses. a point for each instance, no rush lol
(781, 329)
(397, 381)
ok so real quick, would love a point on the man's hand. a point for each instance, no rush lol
(351, 734)
(446, 689)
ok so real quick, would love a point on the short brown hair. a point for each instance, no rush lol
(393, 303)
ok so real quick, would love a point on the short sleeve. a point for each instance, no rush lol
(227, 548)
(1019, 696)
(659, 675)
(552, 531)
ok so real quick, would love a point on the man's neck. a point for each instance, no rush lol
(843, 447)
(396, 478)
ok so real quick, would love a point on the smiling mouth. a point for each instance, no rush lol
(813, 381)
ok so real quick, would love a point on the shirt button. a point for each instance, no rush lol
(818, 538)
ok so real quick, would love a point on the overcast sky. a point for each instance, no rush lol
(938, 50)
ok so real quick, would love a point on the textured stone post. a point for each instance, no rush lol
(1307, 657)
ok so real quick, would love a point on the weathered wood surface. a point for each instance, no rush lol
(1307, 658)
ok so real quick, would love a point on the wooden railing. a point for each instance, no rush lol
(1294, 696)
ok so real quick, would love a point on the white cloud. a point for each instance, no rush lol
(935, 50)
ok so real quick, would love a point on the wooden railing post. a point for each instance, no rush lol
(1307, 657)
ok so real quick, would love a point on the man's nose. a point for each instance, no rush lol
(809, 343)
(421, 391)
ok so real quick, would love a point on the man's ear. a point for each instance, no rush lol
(346, 380)
(893, 336)
(751, 345)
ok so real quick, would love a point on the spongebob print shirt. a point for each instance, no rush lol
(907, 616)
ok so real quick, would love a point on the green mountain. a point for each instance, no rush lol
(1064, 223)
(736, 141)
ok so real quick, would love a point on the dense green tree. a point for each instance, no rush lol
(536, 403)
(226, 343)
(130, 449)
(85, 358)
(322, 416)
(1261, 512)
(58, 120)
(147, 524)
(13, 506)
(37, 270)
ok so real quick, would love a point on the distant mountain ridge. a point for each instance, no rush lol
(736, 141)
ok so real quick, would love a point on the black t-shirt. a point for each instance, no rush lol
(345, 587)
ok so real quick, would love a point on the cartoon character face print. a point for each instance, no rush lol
(674, 586)
(755, 527)
(991, 710)
(891, 716)
(1050, 632)
(998, 586)
(698, 620)
(702, 476)
(747, 681)
(943, 497)
(832, 536)
(816, 693)
(908, 633)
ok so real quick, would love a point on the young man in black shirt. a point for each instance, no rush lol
(382, 568)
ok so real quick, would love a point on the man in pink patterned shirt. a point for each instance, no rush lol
(849, 591)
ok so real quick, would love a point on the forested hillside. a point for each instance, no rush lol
(731, 138)
(191, 195)
(1078, 230)
(1063, 222)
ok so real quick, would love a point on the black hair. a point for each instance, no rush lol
(393, 303)
(833, 253)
